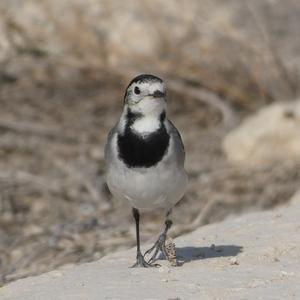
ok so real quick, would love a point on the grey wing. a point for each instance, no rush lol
(179, 147)
(108, 146)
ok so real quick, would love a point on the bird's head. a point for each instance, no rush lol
(146, 95)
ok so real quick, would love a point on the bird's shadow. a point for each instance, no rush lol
(188, 254)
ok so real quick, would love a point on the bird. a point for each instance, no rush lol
(144, 157)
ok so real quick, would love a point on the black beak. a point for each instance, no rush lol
(158, 94)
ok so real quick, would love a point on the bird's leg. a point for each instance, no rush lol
(160, 243)
(140, 261)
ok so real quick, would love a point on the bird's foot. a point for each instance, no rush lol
(141, 263)
(158, 246)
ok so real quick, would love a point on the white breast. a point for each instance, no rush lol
(146, 125)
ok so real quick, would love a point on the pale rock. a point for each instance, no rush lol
(270, 135)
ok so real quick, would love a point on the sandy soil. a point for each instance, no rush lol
(250, 257)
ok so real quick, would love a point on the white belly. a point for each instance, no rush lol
(161, 186)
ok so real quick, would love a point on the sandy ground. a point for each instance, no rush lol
(241, 258)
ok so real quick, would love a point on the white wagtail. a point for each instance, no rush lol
(145, 156)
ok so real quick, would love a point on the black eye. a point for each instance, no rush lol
(137, 90)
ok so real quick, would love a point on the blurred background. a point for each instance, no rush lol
(232, 72)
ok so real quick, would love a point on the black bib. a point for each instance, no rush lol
(142, 151)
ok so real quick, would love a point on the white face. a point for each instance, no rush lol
(146, 97)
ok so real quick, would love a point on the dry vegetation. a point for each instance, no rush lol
(62, 77)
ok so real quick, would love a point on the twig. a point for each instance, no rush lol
(32, 128)
(199, 221)
(282, 71)
(78, 177)
(22, 177)
(208, 97)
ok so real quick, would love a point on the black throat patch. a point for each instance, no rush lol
(142, 151)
